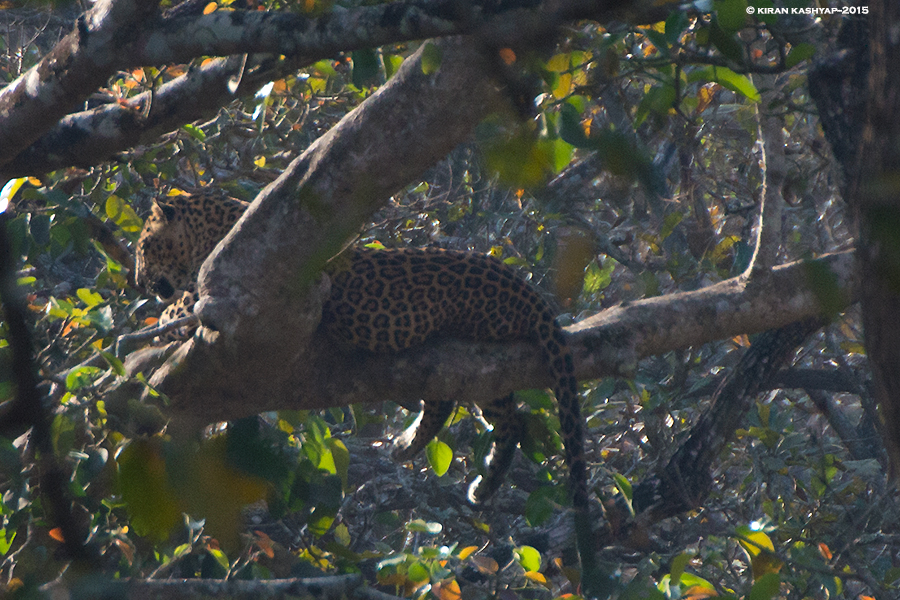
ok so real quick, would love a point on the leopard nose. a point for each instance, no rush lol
(163, 288)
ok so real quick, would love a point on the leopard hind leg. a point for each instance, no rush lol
(427, 425)
(508, 426)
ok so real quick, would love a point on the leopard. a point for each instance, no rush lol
(390, 300)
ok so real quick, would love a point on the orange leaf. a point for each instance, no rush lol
(264, 543)
(126, 550)
(56, 534)
(447, 590)
(825, 551)
(698, 592)
(210, 8)
(507, 55)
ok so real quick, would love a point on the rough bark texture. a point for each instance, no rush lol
(685, 481)
(862, 129)
(33, 140)
(876, 198)
(257, 288)
(606, 344)
(76, 67)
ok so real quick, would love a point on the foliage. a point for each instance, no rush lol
(793, 514)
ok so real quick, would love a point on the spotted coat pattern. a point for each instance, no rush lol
(391, 300)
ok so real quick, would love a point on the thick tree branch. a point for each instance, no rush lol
(609, 343)
(76, 67)
(86, 138)
(876, 197)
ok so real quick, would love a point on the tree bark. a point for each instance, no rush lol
(876, 198)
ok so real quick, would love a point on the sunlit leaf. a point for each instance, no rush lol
(144, 484)
(726, 78)
(89, 297)
(82, 377)
(447, 590)
(440, 455)
(194, 131)
(421, 526)
(529, 558)
(6, 540)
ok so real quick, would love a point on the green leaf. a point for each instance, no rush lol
(341, 457)
(659, 100)
(520, 159)
(421, 526)
(658, 39)
(624, 485)
(570, 128)
(418, 572)
(677, 566)
(440, 455)
(731, 14)
(597, 278)
(726, 42)
(91, 299)
(392, 64)
(676, 23)
(766, 588)
(431, 58)
(144, 485)
(798, 54)
(366, 67)
(529, 558)
(122, 215)
(6, 540)
(114, 363)
(727, 78)
(82, 377)
(195, 132)
(539, 506)
(39, 228)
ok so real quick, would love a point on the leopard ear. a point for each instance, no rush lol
(166, 211)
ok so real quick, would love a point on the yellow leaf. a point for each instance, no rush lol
(558, 63)
(467, 552)
(210, 8)
(536, 577)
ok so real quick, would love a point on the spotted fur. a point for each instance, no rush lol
(391, 300)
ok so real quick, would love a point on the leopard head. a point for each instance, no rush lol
(164, 260)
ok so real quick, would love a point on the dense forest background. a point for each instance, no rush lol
(678, 179)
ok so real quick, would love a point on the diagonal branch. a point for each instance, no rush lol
(75, 68)
(86, 138)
